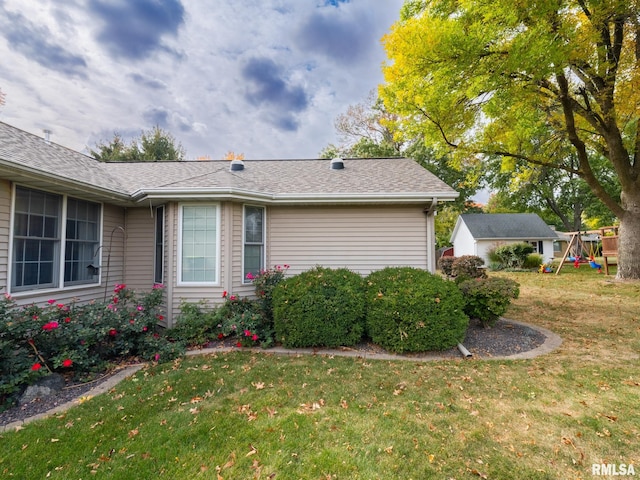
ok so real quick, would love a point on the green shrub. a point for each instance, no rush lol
(319, 307)
(195, 325)
(488, 298)
(514, 255)
(411, 310)
(533, 261)
(445, 264)
(468, 266)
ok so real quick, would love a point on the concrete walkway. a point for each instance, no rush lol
(552, 341)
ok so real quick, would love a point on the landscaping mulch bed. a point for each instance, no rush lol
(503, 339)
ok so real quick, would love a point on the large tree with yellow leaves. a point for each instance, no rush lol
(528, 80)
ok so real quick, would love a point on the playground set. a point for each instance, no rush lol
(578, 254)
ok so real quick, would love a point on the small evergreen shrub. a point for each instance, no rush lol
(321, 307)
(514, 255)
(445, 264)
(533, 261)
(412, 310)
(468, 266)
(488, 298)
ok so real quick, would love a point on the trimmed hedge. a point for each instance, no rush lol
(412, 310)
(319, 308)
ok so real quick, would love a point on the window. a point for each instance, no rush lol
(199, 244)
(82, 240)
(38, 240)
(253, 257)
(158, 267)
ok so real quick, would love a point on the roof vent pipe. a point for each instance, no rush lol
(236, 165)
(337, 164)
(47, 136)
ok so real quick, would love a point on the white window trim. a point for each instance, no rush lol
(216, 282)
(244, 240)
(63, 239)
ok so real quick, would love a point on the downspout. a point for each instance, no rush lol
(430, 212)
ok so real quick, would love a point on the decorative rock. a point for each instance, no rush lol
(46, 387)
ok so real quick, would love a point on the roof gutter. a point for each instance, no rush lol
(288, 198)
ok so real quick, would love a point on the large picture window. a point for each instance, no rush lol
(38, 240)
(199, 244)
(253, 257)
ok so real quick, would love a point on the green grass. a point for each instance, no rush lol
(247, 415)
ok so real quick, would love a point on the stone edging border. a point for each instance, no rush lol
(552, 342)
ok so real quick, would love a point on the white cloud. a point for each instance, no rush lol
(266, 78)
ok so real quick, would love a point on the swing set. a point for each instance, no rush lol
(576, 249)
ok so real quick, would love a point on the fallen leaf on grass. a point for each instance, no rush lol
(133, 433)
(258, 385)
(272, 412)
(478, 473)
(252, 451)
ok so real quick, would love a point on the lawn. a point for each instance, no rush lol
(244, 415)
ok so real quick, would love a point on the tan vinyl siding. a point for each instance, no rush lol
(113, 247)
(363, 238)
(5, 220)
(138, 264)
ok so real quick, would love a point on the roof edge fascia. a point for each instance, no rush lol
(59, 181)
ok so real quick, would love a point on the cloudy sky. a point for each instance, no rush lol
(266, 78)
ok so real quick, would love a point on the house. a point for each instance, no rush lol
(72, 227)
(477, 233)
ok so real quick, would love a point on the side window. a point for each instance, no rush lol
(82, 239)
(158, 266)
(253, 246)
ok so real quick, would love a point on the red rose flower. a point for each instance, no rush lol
(36, 367)
(67, 363)
(67, 319)
(113, 332)
(220, 336)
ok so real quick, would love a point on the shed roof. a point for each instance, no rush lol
(504, 226)
(27, 157)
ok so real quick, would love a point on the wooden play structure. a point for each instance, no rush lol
(577, 253)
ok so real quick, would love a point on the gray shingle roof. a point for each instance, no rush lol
(382, 180)
(526, 226)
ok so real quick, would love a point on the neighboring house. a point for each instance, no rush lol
(72, 227)
(477, 233)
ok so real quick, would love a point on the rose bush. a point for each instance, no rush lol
(78, 339)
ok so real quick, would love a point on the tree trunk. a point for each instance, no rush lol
(629, 238)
